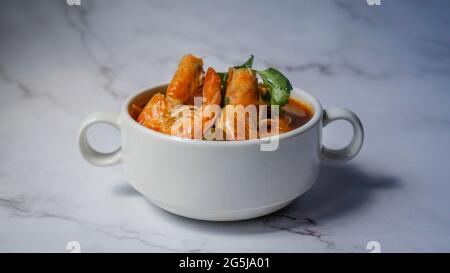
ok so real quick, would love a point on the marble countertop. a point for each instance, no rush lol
(390, 64)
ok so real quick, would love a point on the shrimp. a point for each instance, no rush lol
(242, 87)
(212, 89)
(186, 81)
(212, 95)
(167, 115)
(237, 123)
(156, 114)
(238, 120)
(195, 122)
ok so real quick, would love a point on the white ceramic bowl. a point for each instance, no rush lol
(221, 180)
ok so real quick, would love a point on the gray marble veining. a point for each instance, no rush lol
(390, 64)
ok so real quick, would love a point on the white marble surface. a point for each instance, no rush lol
(390, 64)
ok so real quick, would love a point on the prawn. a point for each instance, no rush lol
(168, 115)
(238, 120)
(156, 114)
(195, 121)
(242, 87)
(187, 80)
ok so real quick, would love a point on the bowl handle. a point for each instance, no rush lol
(352, 149)
(90, 154)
